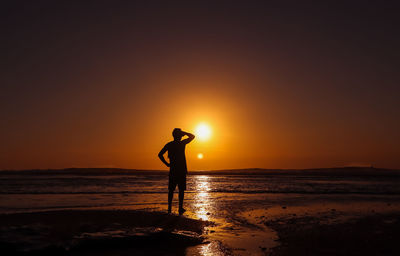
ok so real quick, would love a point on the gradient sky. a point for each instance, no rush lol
(283, 84)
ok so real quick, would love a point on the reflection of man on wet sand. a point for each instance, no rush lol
(177, 165)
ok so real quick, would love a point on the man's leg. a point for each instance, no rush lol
(182, 188)
(171, 189)
(181, 196)
(170, 196)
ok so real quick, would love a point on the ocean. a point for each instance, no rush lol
(40, 190)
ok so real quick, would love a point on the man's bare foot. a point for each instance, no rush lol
(181, 211)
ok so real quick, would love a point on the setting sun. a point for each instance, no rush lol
(200, 156)
(203, 131)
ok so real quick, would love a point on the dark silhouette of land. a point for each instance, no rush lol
(342, 171)
(177, 165)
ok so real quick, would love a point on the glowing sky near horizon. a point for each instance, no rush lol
(280, 85)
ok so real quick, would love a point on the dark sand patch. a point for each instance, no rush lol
(98, 232)
(312, 235)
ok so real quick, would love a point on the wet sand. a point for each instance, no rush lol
(313, 226)
(96, 232)
(376, 234)
(308, 225)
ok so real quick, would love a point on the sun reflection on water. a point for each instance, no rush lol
(202, 198)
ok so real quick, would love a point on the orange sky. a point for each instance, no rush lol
(247, 131)
(281, 86)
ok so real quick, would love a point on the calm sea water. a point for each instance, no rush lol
(30, 191)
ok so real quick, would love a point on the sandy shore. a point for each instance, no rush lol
(330, 228)
(96, 232)
(376, 234)
(323, 229)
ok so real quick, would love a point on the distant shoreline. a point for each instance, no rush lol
(250, 171)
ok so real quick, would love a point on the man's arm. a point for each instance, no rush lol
(191, 137)
(161, 155)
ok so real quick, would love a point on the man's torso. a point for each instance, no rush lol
(176, 155)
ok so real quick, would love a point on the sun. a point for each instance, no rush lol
(203, 131)
(200, 156)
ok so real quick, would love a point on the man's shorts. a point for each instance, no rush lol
(179, 180)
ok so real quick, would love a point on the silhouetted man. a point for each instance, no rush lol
(177, 165)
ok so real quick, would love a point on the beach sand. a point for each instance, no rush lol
(370, 235)
(357, 228)
(328, 228)
(96, 232)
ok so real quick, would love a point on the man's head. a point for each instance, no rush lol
(177, 134)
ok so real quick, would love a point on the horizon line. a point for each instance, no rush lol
(198, 170)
